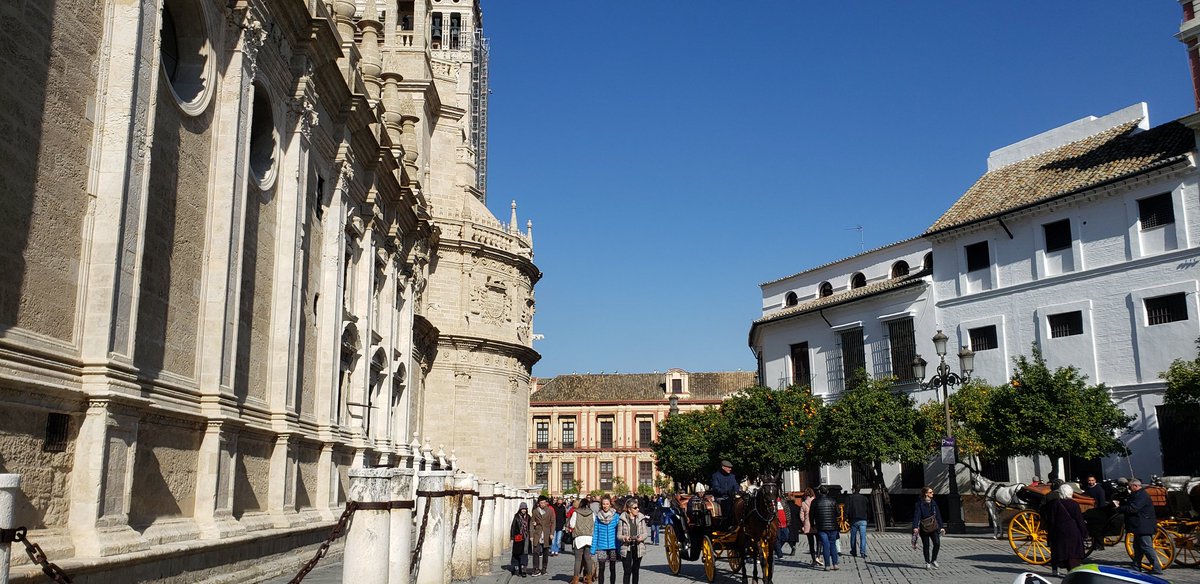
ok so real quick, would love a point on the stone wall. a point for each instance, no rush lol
(164, 484)
(251, 374)
(47, 128)
(307, 456)
(44, 500)
(253, 474)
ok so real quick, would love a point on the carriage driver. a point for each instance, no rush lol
(725, 487)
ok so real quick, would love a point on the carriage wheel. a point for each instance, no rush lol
(766, 556)
(734, 557)
(843, 525)
(1164, 546)
(709, 556)
(1187, 548)
(671, 546)
(1111, 540)
(1028, 539)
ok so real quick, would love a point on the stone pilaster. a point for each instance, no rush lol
(281, 498)
(102, 480)
(213, 510)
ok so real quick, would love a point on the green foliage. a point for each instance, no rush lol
(685, 447)
(970, 407)
(544, 492)
(645, 491)
(620, 487)
(663, 483)
(1183, 382)
(873, 424)
(1054, 413)
(574, 488)
(767, 431)
(595, 494)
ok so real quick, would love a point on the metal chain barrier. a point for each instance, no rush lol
(339, 529)
(37, 556)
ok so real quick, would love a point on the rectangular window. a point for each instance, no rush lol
(1164, 309)
(541, 474)
(606, 475)
(995, 469)
(1058, 235)
(977, 256)
(646, 473)
(983, 338)
(903, 344)
(853, 355)
(57, 427)
(567, 475)
(542, 434)
(568, 434)
(1066, 324)
(455, 28)
(676, 386)
(912, 475)
(801, 367)
(644, 433)
(606, 433)
(1155, 211)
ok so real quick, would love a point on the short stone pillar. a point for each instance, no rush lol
(10, 485)
(485, 539)
(503, 519)
(431, 527)
(463, 556)
(400, 561)
(449, 510)
(367, 543)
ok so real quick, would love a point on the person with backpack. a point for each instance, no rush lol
(582, 525)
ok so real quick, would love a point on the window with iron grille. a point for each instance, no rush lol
(646, 473)
(645, 433)
(1066, 324)
(978, 257)
(1058, 235)
(983, 338)
(567, 475)
(1164, 309)
(541, 473)
(57, 427)
(542, 433)
(912, 475)
(1155, 211)
(568, 434)
(903, 344)
(606, 476)
(606, 433)
(853, 354)
(995, 469)
(801, 367)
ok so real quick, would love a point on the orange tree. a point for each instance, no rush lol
(686, 447)
(768, 431)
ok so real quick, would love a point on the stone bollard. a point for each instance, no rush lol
(463, 556)
(499, 522)
(10, 485)
(485, 539)
(449, 510)
(367, 542)
(503, 521)
(431, 533)
(400, 562)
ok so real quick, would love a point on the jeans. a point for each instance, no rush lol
(633, 562)
(858, 537)
(829, 547)
(935, 539)
(1143, 545)
(654, 534)
(556, 545)
(780, 540)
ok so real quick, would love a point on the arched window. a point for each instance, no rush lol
(790, 299)
(186, 53)
(263, 138)
(826, 289)
(927, 263)
(858, 280)
(899, 268)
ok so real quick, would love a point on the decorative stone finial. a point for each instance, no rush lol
(512, 220)
(453, 460)
(441, 456)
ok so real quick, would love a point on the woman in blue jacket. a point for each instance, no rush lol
(604, 541)
(927, 522)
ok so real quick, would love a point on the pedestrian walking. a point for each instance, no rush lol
(519, 534)
(825, 521)
(858, 511)
(927, 523)
(655, 514)
(634, 527)
(582, 525)
(1140, 521)
(560, 522)
(795, 526)
(781, 517)
(814, 542)
(541, 535)
(1066, 530)
(604, 541)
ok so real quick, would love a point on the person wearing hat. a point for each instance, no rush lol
(724, 487)
(519, 533)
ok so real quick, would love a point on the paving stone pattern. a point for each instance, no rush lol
(891, 561)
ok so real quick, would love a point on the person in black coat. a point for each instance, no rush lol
(794, 522)
(931, 540)
(724, 486)
(518, 532)
(824, 520)
(1140, 521)
(1066, 530)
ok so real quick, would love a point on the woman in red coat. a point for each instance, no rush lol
(1066, 529)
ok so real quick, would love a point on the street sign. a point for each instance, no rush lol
(948, 450)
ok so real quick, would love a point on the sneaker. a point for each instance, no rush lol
(835, 566)
(935, 565)
(826, 568)
(928, 566)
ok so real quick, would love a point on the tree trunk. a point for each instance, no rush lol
(883, 499)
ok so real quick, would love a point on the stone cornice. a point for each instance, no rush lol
(526, 355)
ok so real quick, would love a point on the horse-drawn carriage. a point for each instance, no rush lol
(746, 536)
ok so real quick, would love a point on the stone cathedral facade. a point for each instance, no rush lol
(244, 247)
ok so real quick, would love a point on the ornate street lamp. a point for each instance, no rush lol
(944, 379)
(674, 408)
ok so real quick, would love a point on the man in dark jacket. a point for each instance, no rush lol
(1140, 521)
(857, 513)
(724, 487)
(824, 519)
(560, 521)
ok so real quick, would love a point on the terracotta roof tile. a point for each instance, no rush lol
(1116, 153)
(637, 386)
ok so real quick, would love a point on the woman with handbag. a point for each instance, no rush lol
(632, 531)
(519, 533)
(927, 522)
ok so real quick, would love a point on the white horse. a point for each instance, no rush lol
(998, 496)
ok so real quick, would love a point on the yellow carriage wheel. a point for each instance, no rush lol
(1111, 540)
(709, 556)
(734, 557)
(671, 546)
(1164, 546)
(1187, 545)
(1028, 539)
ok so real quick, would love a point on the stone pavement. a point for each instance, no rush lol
(892, 560)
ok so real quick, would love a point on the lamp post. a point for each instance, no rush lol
(944, 379)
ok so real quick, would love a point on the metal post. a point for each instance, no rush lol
(10, 485)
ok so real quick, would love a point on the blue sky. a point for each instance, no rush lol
(675, 154)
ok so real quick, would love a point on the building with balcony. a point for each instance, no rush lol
(597, 428)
